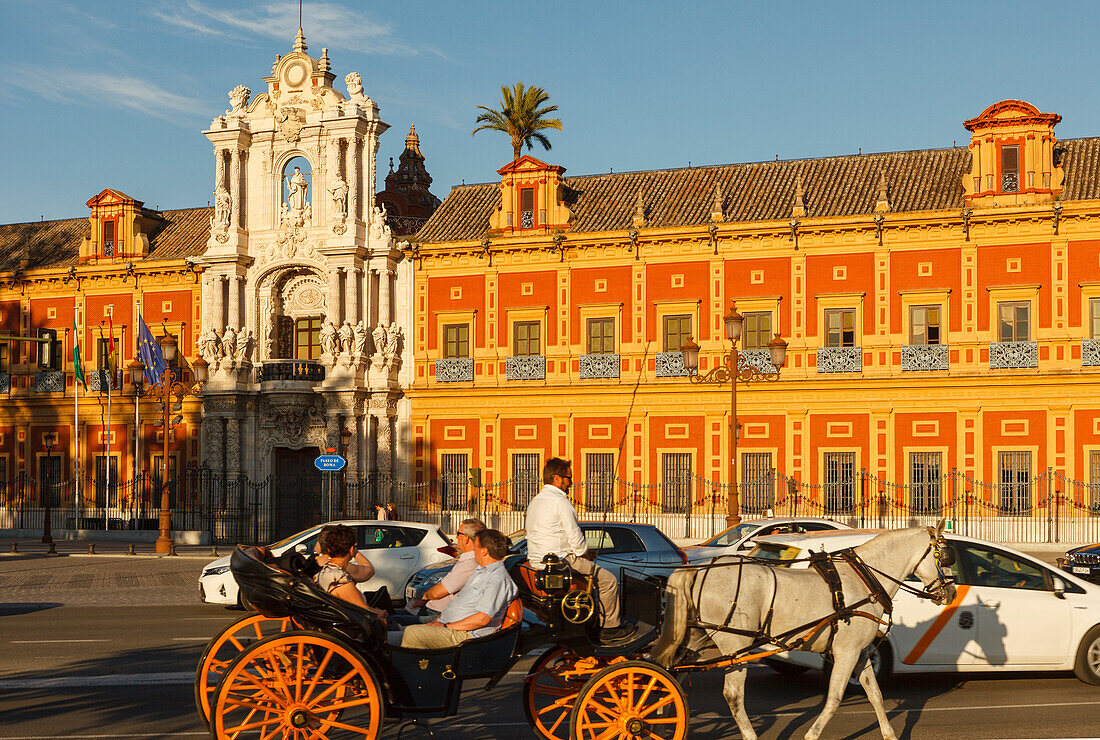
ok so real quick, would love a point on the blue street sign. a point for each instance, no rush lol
(330, 463)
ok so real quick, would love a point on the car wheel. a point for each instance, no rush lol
(784, 668)
(1087, 666)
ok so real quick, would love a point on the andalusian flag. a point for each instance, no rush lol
(78, 369)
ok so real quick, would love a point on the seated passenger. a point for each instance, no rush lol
(342, 566)
(479, 608)
(438, 596)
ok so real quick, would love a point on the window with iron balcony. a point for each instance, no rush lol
(924, 351)
(1014, 348)
(1010, 168)
(527, 361)
(600, 359)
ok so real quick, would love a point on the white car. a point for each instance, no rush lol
(739, 539)
(1011, 612)
(395, 549)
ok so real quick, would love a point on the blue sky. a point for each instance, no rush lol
(116, 94)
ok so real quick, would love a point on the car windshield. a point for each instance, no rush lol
(731, 535)
(304, 534)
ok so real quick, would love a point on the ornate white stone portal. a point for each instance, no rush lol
(305, 299)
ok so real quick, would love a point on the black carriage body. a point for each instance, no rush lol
(413, 681)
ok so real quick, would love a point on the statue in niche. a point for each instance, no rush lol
(210, 345)
(238, 99)
(272, 335)
(296, 191)
(379, 230)
(340, 199)
(393, 336)
(229, 343)
(223, 209)
(347, 337)
(380, 339)
(355, 85)
(328, 340)
(246, 345)
(360, 338)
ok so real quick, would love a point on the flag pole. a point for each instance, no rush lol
(110, 384)
(76, 429)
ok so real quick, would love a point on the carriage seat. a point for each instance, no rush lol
(276, 592)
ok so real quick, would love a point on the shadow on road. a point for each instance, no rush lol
(11, 610)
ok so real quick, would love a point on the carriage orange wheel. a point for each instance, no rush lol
(298, 685)
(221, 651)
(627, 700)
(548, 695)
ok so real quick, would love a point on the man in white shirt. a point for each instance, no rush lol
(552, 527)
(438, 596)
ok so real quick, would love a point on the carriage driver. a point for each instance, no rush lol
(552, 527)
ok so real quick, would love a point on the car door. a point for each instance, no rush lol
(925, 634)
(1021, 622)
(616, 548)
(393, 552)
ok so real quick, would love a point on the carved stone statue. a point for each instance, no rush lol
(360, 338)
(347, 338)
(229, 343)
(246, 345)
(223, 209)
(210, 345)
(238, 98)
(328, 340)
(355, 85)
(393, 339)
(381, 339)
(340, 199)
(272, 336)
(296, 191)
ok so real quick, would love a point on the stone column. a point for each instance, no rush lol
(213, 455)
(219, 168)
(351, 294)
(385, 443)
(232, 446)
(235, 302)
(235, 185)
(353, 178)
(332, 300)
(385, 281)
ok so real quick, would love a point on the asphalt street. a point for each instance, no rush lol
(116, 658)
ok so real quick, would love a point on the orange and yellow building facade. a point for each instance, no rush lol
(942, 308)
(62, 280)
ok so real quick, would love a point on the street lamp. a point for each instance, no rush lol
(48, 439)
(137, 378)
(734, 370)
(163, 392)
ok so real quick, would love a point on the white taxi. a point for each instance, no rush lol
(1011, 612)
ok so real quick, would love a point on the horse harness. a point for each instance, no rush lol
(795, 639)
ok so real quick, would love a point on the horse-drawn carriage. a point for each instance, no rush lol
(310, 665)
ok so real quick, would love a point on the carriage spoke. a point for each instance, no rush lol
(663, 703)
(344, 705)
(274, 659)
(317, 676)
(645, 694)
(251, 726)
(336, 685)
(298, 673)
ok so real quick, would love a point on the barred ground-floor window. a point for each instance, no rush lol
(840, 482)
(526, 477)
(599, 480)
(1015, 481)
(676, 487)
(454, 485)
(757, 482)
(926, 482)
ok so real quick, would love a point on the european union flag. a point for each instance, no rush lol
(152, 356)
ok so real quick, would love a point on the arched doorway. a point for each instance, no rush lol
(297, 492)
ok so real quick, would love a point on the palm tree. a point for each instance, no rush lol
(520, 117)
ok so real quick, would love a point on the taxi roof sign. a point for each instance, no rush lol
(330, 463)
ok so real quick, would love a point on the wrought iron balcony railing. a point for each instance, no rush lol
(454, 369)
(305, 371)
(599, 366)
(527, 367)
(1008, 355)
(919, 357)
(839, 359)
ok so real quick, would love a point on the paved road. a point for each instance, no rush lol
(105, 647)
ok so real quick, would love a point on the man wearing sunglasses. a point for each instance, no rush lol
(552, 527)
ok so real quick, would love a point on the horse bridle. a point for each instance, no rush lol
(936, 592)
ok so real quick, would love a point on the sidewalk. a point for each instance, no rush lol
(81, 548)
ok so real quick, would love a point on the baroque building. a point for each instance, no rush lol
(942, 309)
(83, 277)
(303, 294)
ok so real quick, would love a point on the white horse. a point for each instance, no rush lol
(751, 598)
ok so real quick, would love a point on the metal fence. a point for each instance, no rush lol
(1027, 509)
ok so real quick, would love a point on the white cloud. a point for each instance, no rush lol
(67, 86)
(325, 24)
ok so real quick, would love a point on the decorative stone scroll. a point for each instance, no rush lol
(839, 359)
(1008, 355)
(530, 367)
(921, 357)
(599, 366)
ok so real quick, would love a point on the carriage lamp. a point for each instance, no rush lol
(734, 370)
(200, 367)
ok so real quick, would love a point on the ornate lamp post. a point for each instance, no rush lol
(48, 438)
(734, 370)
(163, 392)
